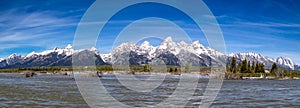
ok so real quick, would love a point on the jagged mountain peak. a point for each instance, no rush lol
(168, 39)
(93, 49)
(13, 58)
(251, 56)
(33, 53)
(182, 43)
(196, 42)
(167, 43)
(69, 46)
(146, 47)
(285, 61)
(247, 54)
(145, 43)
(283, 58)
(125, 47)
(68, 50)
(14, 55)
(55, 48)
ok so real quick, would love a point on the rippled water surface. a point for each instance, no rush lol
(259, 93)
(42, 90)
(61, 91)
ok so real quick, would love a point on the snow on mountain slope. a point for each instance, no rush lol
(198, 48)
(147, 49)
(13, 58)
(106, 57)
(286, 62)
(168, 45)
(66, 51)
(56, 56)
(252, 57)
(125, 47)
(168, 49)
(175, 48)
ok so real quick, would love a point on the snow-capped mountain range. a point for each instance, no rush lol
(168, 52)
(54, 57)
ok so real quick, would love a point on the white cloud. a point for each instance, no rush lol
(270, 24)
(18, 28)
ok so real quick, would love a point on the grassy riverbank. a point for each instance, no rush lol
(133, 69)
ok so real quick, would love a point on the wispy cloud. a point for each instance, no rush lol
(270, 24)
(21, 36)
(266, 35)
(243, 45)
(18, 28)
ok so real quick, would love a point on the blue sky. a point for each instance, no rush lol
(269, 27)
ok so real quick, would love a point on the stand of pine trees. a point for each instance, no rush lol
(245, 67)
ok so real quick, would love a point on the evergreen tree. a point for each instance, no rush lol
(248, 67)
(244, 68)
(274, 68)
(260, 68)
(239, 67)
(253, 67)
(233, 65)
(256, 67)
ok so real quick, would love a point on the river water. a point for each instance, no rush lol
(61, 91)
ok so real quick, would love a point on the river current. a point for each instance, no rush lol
(62, 91)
